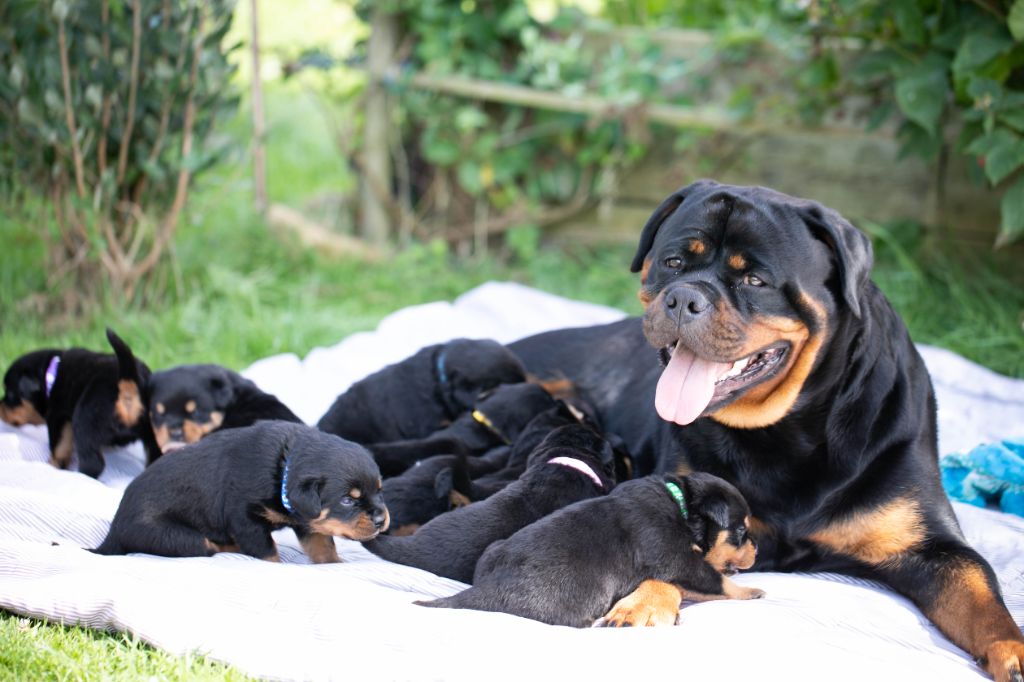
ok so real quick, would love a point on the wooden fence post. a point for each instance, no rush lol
(259, 159)
(376, 225)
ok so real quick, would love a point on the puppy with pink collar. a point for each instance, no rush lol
(571, 464)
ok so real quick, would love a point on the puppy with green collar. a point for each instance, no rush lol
(569, 568)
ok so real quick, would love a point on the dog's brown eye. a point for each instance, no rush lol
(673, 262)
(753, 280)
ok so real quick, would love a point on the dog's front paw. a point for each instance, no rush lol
(652, 603)
(750, 593)
(734, 591)
(1004, 660)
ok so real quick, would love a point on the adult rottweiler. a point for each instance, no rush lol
(774, 362)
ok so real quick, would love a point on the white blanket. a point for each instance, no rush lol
(299, 621)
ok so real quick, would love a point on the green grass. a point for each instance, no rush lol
(31, 650)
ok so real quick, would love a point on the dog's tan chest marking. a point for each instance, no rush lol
(877, 535)
(61, 454)
(128, 408)
(320, 549)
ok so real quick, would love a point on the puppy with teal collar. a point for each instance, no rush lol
(570, 567)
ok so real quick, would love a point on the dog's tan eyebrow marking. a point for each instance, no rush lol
(356, 493)
(190, 406)
(160, 408)
(696, 246)
(737, 261)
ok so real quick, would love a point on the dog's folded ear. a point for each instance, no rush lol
(667, 208)
(220, 388)
(28, 386)
(304, 495)
(850, 246)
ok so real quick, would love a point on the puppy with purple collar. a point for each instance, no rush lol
(572, 463)
(87, 400)
(230, 490)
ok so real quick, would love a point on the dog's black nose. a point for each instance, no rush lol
(378, 519)
(686, 303)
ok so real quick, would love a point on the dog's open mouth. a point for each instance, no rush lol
(690, 384)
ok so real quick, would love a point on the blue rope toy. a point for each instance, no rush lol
(990, 475)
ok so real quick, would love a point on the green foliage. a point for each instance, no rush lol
(105, 109)
(504, 156)
(950, 68)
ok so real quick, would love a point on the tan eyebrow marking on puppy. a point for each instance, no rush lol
(160, 409)
(737, 261)
(190, 406)
(356, 493)
(696, 246)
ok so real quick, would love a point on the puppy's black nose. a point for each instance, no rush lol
(685, 303)
(378, 519)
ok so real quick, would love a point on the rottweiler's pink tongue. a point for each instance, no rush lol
(686, 386)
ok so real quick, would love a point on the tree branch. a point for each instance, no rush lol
(133, 87)
(69, 109)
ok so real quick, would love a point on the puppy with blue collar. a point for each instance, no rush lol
(230, 490)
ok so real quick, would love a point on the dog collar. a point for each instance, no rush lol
(442, 376)
(579, 466)
(51, 373)
(284, 489)
(443, 388)
(677, 494)
(481, 418)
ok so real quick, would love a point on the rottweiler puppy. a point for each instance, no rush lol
(497, 418)
(570, 567)
(766, 355)
(436, 485)
(560, 414)
(421, 394)
(87, 400)
(227, 492)
(190, 401)
(572, 463)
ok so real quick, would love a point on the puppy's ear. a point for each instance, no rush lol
(304, 496)
(667, 208)
(705, 498)
(850, 246)
(28, 386)
(221, 389)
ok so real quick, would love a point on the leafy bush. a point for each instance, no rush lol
(947, 70)
(105, 106)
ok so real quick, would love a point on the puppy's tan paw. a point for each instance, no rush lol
(734, 591)
(1004, 661)
(750, 593)
(652, 603)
